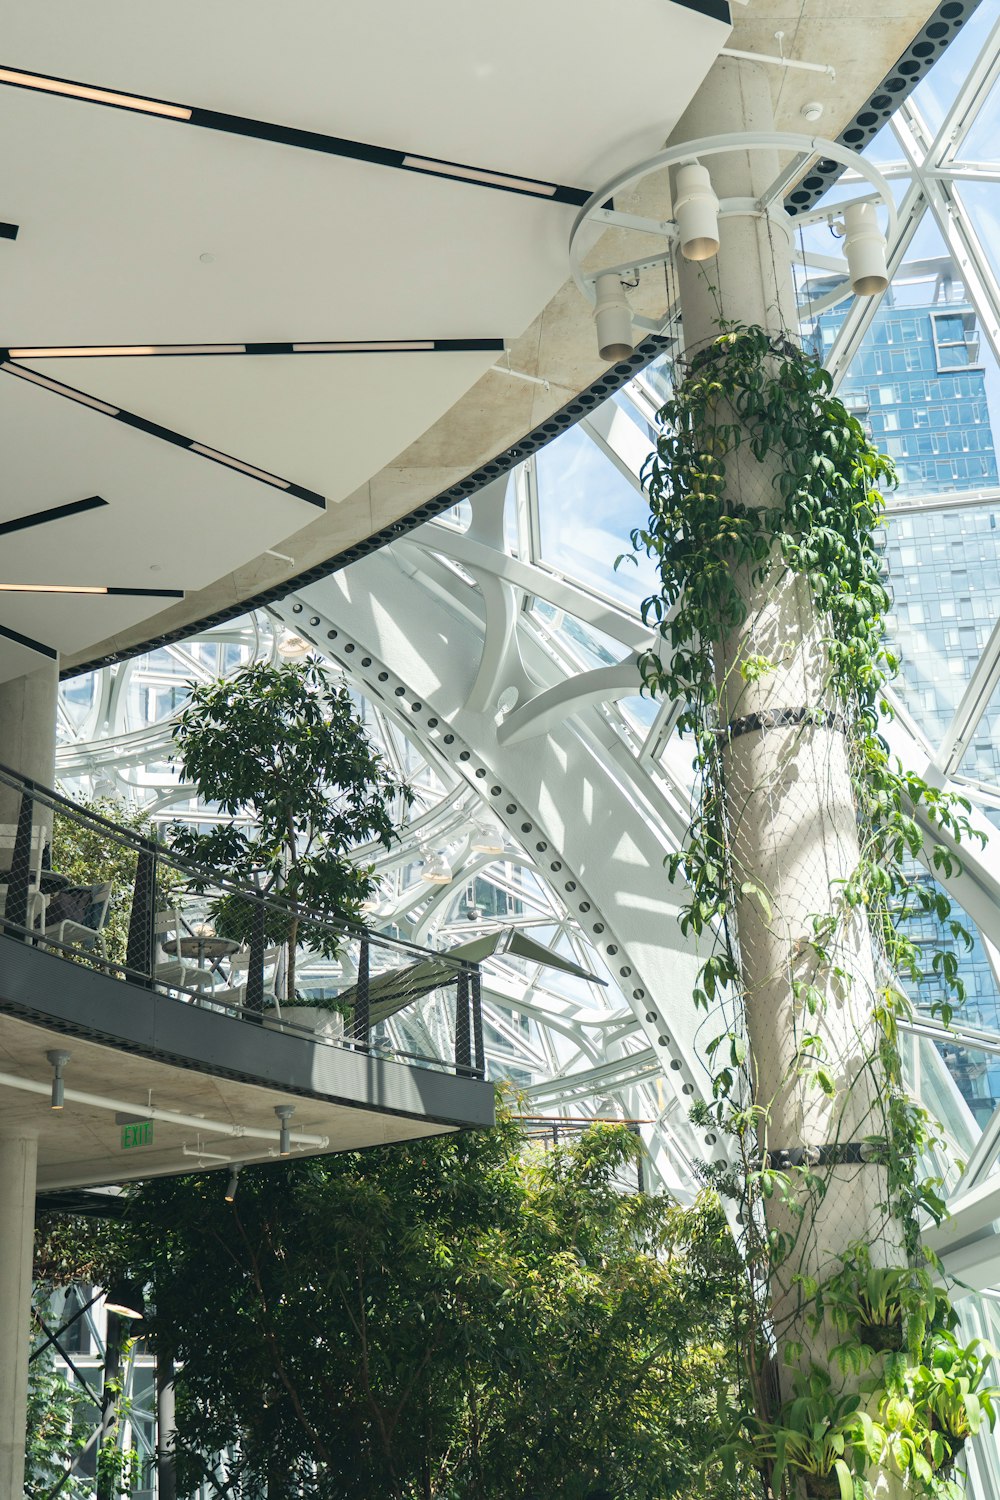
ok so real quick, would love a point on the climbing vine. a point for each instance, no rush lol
(763, 486)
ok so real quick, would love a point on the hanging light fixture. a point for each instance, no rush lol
(696, 209)
(864, 246)
(292, 647)
(125, 1298)
(612, 318)
(58, 1061)
(232, 1184)
(487, 839)
(436, 870)
(284, 1113)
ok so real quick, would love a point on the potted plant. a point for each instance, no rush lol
(822, 1439)
(883, 1309)
(280, 749)
(950, 1398)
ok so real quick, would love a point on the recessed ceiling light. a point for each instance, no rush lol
(59, 388)
(473, 174)
(45, 85)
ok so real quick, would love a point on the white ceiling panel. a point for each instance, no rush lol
(326, 421)
(116, 211)
(552, 90)
(173, 519)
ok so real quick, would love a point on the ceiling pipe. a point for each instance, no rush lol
(167, 1116)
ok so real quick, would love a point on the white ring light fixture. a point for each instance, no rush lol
(863, 236)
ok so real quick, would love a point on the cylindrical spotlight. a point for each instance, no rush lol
(58, 1061)
(612, 318)
(284, 1113)
(696, 209)
(232, 1184)
(864, 246)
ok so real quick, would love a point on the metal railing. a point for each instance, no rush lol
(127, 906)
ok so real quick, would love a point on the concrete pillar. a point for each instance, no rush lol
(18, 1158)
(788, 790)
(28, 745)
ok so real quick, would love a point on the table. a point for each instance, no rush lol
(51, 881)
(201, 947)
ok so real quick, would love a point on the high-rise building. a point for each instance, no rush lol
(919, 386)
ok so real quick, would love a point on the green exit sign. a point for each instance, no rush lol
(139, 1134)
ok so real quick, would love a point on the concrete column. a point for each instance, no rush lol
(18, 1158)
(28, 744)
(166, 1429)
(788, 789)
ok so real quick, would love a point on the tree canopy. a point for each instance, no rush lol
(467, 1316)
(281, 747)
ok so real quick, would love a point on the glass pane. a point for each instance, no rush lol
(586, 510)
(935, 93)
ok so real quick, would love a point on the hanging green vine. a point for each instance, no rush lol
(751, 399)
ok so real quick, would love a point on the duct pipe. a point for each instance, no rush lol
(168, 1116)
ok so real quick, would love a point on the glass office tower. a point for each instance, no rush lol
(919, 386)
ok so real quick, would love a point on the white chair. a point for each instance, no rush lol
(173, 970)
(86, 912)
(239, 973)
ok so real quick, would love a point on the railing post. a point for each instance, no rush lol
(477, 1021)
(255, 965)
(362, 1014)
(19, 876)
(463, 1049)
(140, 955)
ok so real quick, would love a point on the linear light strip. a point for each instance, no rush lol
(89, 588)
(59, 388)
(342, 346)
(236, 463)
(65, 86)
(290, 135)
(165, 434)
(475, 174)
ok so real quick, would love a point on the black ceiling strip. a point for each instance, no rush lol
(27, 640)
(167, 435)
(143, 424)
(8, 231)
(716, 10)
(54, 513)
(383, 156)
(941, 27)
(486, 346)
(147, 593)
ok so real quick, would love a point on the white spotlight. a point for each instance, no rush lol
(58, 1061)
(864, 246)
(284, 1113)
(612, 318)
(696, 209)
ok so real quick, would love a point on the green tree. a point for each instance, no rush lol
(281, 748)
(90, 854)
(463, 1317)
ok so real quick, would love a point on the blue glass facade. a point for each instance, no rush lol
(919, 387)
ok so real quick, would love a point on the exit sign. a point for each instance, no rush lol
(138, 1134)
